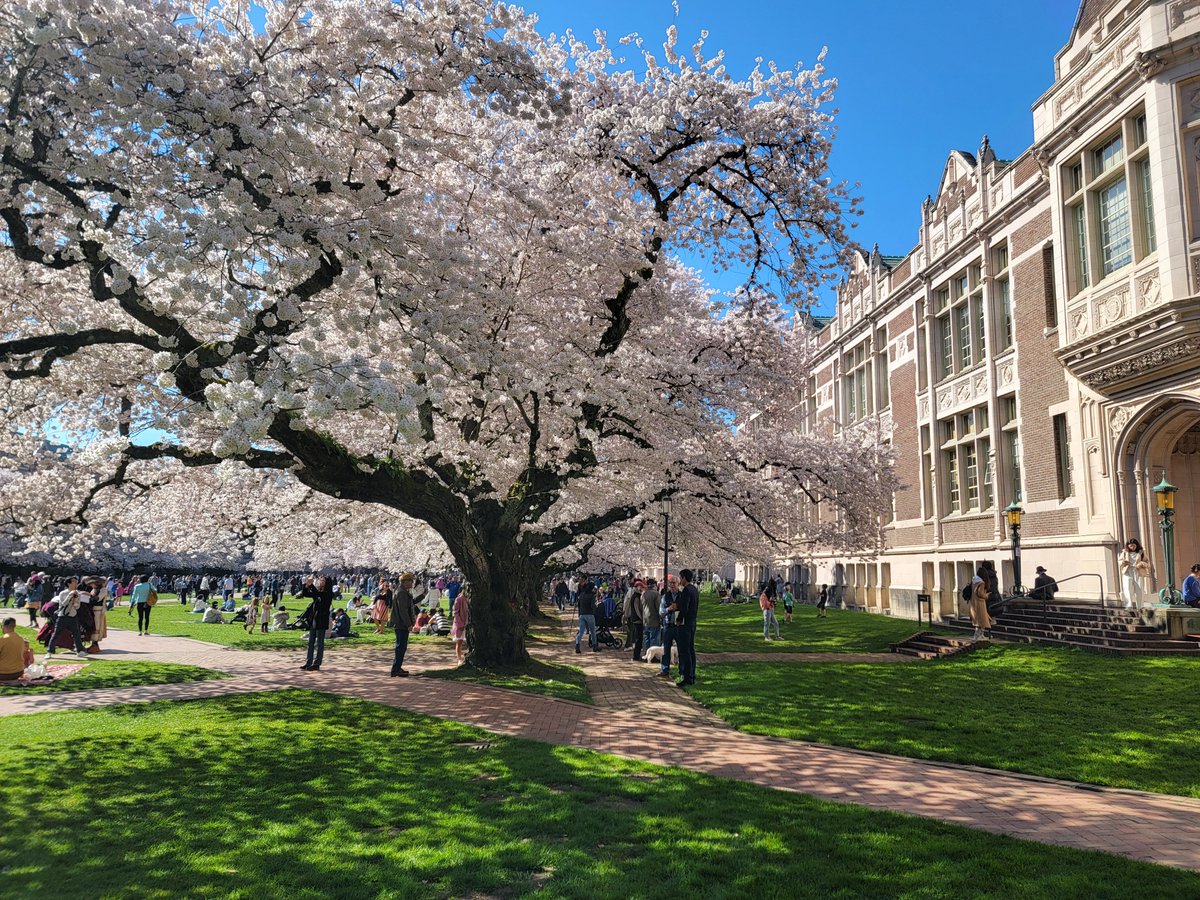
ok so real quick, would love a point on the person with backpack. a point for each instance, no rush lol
(67, 615)
(980, 591)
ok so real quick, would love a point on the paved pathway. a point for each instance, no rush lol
(1144, 826)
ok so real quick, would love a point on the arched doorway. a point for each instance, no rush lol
(1165, 437)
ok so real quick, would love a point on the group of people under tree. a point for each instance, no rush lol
(664, 619)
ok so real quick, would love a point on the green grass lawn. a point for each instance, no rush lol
(1120, 721)
(100, 673)
(535, 677)
(177, 621)
(738, 628)
(302, 795)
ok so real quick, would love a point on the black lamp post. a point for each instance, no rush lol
(1164, 496)
(664, 506)
(1012, 512)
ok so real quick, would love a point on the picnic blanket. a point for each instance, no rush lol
(53, 673)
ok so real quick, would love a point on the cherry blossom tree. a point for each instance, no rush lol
(419, 255)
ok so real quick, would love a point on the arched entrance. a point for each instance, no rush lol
(1165, 437)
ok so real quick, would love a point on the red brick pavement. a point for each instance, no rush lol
(1152, 827)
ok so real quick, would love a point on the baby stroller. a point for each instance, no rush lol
(240, 615)
(303, 621)
(604, 629)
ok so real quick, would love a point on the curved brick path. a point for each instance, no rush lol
(1152, 827)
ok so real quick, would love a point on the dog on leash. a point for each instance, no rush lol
(655, 654)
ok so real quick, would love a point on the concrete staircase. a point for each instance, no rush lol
(927, 645)
(1088, 627)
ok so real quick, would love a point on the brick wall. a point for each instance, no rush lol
(917, 536)
(1053, 523)
(1043, 379)
(1026, 168)
(905, 441)
(969, 531)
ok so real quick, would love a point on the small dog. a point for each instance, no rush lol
(655, 654)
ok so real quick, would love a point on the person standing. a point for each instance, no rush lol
(572, 588)
(651, 620)
(322, 599)
(666, 613)
(560, 594)
(585, 599)
(980, 617)
(458, 629)
(687, 610)
(404, 614)
(823, 601)
(632, 612)
(139, 599)
(67, 615)
(789, 602)
(1134, 569)
(766, 602)
(34, 594)
(381, 608)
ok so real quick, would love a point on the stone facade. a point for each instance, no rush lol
(1041, 342)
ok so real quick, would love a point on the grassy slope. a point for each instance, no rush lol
(302, 795)
(737, 628)
(1126, 722)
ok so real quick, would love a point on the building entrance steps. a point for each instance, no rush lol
(928, 645)
(1091, 627)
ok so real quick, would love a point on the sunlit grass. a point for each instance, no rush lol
(99, 673)
(1120, 721)
(738, 628)
(301, 795)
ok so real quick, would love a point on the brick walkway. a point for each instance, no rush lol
(1144, 826)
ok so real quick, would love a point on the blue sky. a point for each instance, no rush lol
(918, 78)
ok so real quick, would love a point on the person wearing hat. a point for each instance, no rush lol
(1044, 587)
(404, 614)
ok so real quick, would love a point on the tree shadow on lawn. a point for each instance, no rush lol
(303, 795)
(737, 628)
(1105, 719)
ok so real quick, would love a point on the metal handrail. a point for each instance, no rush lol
(1058, 581)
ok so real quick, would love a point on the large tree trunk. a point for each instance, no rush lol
(500, 585)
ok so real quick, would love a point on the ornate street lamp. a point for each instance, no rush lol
(1012, 513)
(1164, 496)
(664, 506)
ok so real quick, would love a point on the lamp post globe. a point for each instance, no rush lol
(1164, 498)
(1012, 513)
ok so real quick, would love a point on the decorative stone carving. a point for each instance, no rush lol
(1181, 12)
(1110, 307)
(1080, 323)
(1007, 373)
(1137, 365)
(980, 384)
(1149, 290)
(1120, 418)
(1148, 64)
(923, 408)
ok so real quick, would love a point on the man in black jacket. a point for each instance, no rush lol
(404, 614)
(585, 597)
(687, 607)
(321, 593)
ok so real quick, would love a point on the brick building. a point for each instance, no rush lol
(1041, 342)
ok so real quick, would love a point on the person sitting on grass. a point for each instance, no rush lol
(341, 625)
(212, 615)
(230, 604)
(279, 619)
(421, 623)
(438, 623)
(15, 654)
(201, 604)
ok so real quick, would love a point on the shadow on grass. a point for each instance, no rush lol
(108, 674)
(304, 795)
(1119, 721)
(533, 677)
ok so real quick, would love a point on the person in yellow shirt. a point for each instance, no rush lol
(14, 651)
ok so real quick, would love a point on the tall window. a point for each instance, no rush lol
(856, 384)
(1062, 458)
(1011, 443)
(1002, 288)
(960, 323)
(965, 448)
(926, 471)
(1110, 204)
